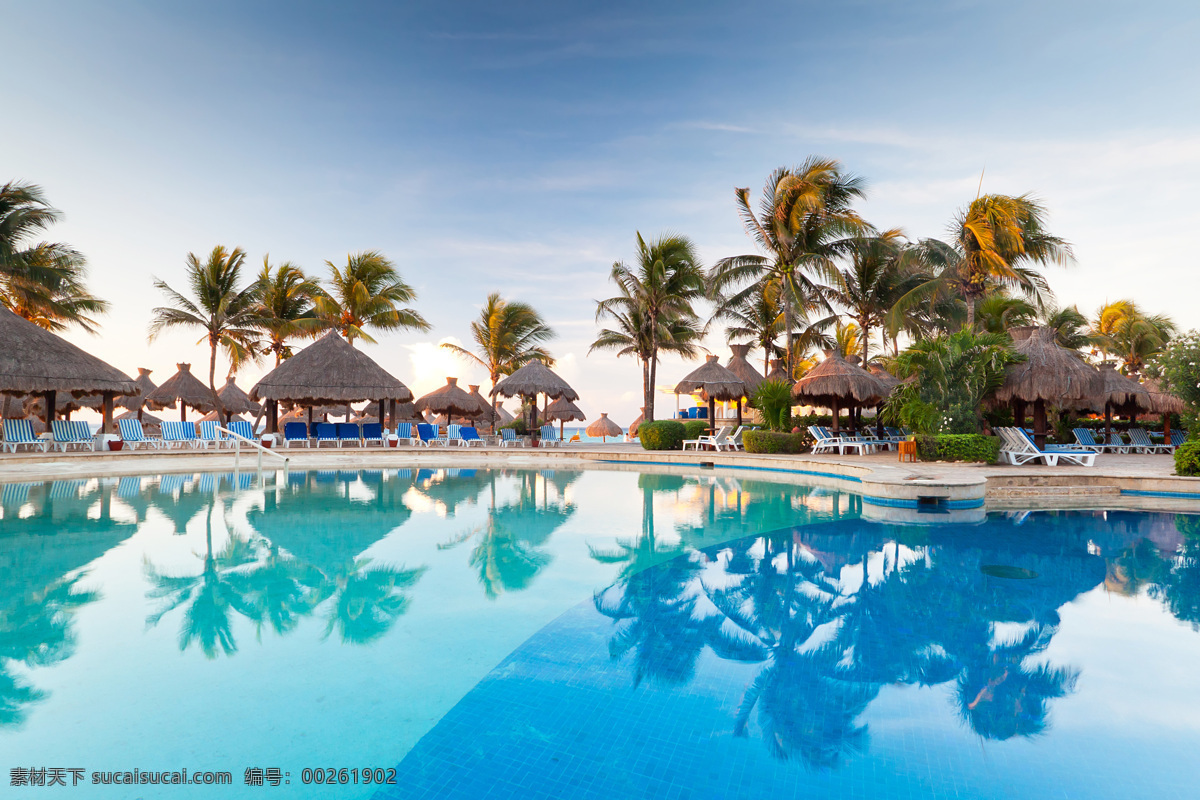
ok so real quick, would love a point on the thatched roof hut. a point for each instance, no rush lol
(563, 410)
(533, 379)
(450, 400)
(235, 400)
(503, 415)
(713, 382)
(739, 365)
(889, 380)
(633, 426)
(1162, 401)
(64, 404)
(836, 383)
(1122, 394)
(779, 372)
(329, 371)
(604, 427)
(182, 387)
(136, 401)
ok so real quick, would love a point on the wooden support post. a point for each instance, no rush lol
(273, 416)
(712, 416)
(1039, 423)
(837, 413)
(50, 399)
(107, 427)
(1018, 409)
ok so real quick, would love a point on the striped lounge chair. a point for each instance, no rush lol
(177, 433)
(19, 433)
(71, 433)
(242, 428)
(509, 437)
(133, 436)
(405, 432)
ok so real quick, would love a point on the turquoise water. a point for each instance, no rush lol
(605, 633)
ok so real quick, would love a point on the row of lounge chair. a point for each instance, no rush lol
(1017, 447)
(1139, 441)
(866, 441)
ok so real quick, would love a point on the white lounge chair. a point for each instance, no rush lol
(71, 433)
(1141, 442)
(550, 436)
(19, 433)
(134, 437)
(509, 437)
(716, 441)
(1019, 449)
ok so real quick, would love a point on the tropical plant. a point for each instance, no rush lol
(285, 306)
(43, 282)
(996, 243)
(228, 315)
(1178, 367)
(1139, 337)
(804, 224)
(653, 309)
(508, 335)
(773, 399)
(1069, 326)
(1000, 311)
(955, 373)
(367, 292)
(879, 273)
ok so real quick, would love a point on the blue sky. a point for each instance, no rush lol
(518, 147)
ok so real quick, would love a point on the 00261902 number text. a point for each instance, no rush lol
(366, 775)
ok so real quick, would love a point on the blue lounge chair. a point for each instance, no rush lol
(348, 432)
(133, 435)
(71, 433)
(179, 433)
(1141, 443)
(509, 437)
(405, 432)
(427, 434)
(1086, 438)
(550, 436)
(325, 432)
(469, 436)
(295, 432)
(372, 432)
(19, 433)
(242, 428)
(210, 435)
(1178, 437)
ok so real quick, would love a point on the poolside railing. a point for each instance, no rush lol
(238, 440)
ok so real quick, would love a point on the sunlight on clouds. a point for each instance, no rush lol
(431, 364)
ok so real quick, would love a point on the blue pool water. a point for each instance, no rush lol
(599, 634)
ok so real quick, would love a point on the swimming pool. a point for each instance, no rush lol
(589, 634)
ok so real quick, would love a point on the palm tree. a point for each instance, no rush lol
(1124, 330)
(877, 276)
(367, 293)
(228, 315)
(759, 318)
(803, 226)
(995, 243)
(1000, 311)
(508, 335)
(285, 306)
(653, 306)
(1069, 326)
(43, 282)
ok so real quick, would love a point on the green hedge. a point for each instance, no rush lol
(695, 428)
(664, 434)
(1187, 459)
(958, 447)
(769, 442)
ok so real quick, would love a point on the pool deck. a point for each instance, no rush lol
(880, 477)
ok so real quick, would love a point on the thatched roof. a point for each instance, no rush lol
(740, 366)
(1163, 402)
(1050, 373)
(563, 410)
(633, 426)
(836, 379)
(183, 385)
(144, 387)
(449, 399)
(713, 382)
(235, 400)
(778, 372)
(886, 378)
(212, 417)
(1123, 394)
(485, 407)
(533, 379)
(34, 360)
(329, 370)
(604, 427)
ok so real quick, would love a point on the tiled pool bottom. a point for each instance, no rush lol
(995, 663)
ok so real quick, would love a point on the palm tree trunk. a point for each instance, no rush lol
(970, 312)
(212, 384)
(787, 326)
(653, 366)
(865, 327)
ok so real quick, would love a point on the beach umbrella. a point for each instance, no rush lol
(779, 372)
(604, 427)
(329, 370)
(35, 361)
(633, 426)
(531, 380)
(739, 365)
(1164, 403)
(835, 383)
(1050, 374)
(562, 411)
(137, 402)
(485, 408)
(713, 382)
(186, 389)
(450, 400)
(235, 401)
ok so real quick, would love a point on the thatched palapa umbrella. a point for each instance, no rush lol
(779, 372)
(186, 389)
(328, 371)
(739, 365)
(1122, 395)
(531, 380)
(485, 408)
(35, 361)
(633, 426)
(450, 400)
(714, 382)
(604, 427)
(1050, 374)
(835, 383)
(235, 401)
(562, 411)
(1164, 403)
(137, 402)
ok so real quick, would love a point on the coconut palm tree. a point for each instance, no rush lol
(1138, 337)
(42, 282)
(367, 293)
(759, 318)
(877, 275)
(1069, 326)
(996, 242)
(654, 304)
(285, 306)
(804, 224)
(228, 315)
(1000, 311)
(508, 335)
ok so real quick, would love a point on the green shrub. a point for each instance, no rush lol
(695, 428)
(519, 425)
(1187, 459)
(771, 442)
(958, 447)
(773, 399)
(664, 434)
